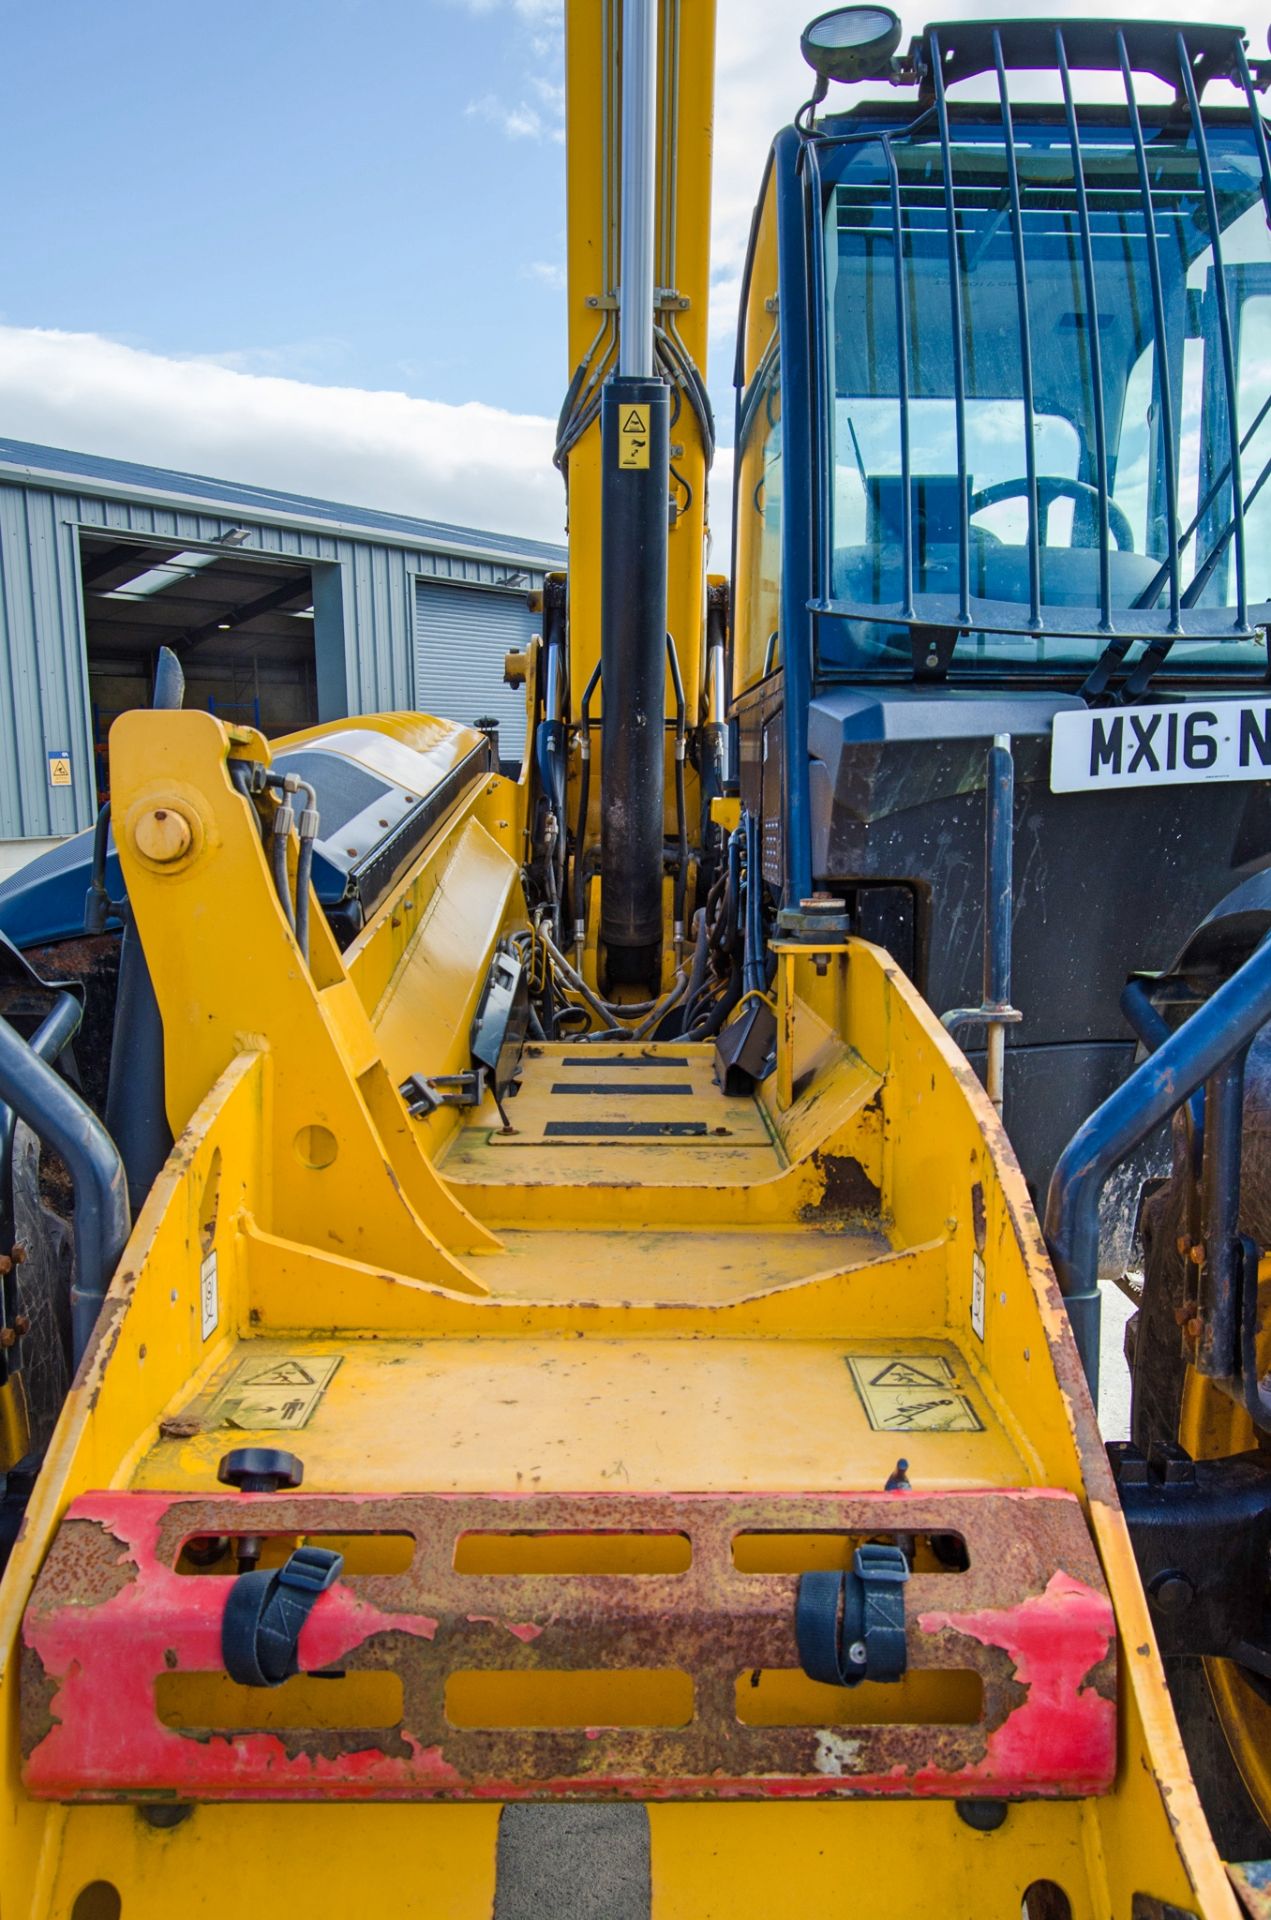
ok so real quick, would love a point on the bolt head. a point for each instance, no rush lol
(856, 1653)
(1171, 1591)
(163, 835)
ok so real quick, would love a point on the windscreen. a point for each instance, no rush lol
(1034, 356)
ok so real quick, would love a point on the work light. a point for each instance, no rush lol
(851, 43)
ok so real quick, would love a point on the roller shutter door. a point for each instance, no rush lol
(461, 637)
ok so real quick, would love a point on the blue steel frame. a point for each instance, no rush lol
(1188, 59)
(803, 365)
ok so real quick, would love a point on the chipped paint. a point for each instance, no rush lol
(1040, 1642)
(1060, 1643)
(836, 1753)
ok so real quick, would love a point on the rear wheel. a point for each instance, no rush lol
(1224, 1711)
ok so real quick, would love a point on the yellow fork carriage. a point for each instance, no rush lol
(577, 1402)
(590, 1339)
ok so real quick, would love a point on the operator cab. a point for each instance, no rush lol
(1004, 438)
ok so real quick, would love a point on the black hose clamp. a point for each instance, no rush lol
(260, 1629)
(850, 1627)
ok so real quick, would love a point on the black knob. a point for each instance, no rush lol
(260, 1470)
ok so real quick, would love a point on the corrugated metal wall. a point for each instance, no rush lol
(461, 640)
(367, 590)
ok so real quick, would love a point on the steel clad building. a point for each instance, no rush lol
(283, 611)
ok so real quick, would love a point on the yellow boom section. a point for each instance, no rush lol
(686, 56)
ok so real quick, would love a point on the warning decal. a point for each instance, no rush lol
(60, 761)
(209, 1295)
(912, 1393)
(272, 1393)
(633, 438)
(287, 1373)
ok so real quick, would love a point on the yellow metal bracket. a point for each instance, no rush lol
(344, 1167)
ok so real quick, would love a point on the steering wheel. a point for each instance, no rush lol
(1052, 487)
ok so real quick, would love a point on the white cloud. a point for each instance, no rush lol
(761, 81)
(235, 414)
(473, 464)
(540, 37)
(532, 10)
(520, 121)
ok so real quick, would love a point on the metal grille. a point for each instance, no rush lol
(1123, 201)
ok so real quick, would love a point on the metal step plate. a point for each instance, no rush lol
(568, 1646)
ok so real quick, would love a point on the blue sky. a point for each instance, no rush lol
(325, 189)
(320, 246)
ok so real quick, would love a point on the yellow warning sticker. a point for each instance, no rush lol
(60, 763)
(633, 438)
(282, 1392)
(912, 1393)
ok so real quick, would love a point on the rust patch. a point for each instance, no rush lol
(849, 1191)
(1252, 1882)
(38, 1690)
(110, 1324)
(182, 1426)
(1032, 1641)
(91, 1569)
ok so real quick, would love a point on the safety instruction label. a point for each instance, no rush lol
(633, 438)
(977, 1295)
(281, 1392)
(60, 762)
(209, 1295)
(912, 1393)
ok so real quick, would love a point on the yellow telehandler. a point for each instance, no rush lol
(585, 1334)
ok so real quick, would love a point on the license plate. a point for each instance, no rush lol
(1170, 746)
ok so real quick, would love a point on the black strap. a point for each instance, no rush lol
(850, 1627)
(260, 1629)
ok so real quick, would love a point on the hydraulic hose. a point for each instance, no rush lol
(697, 972)
(681, 805)
(308, 826)
(278, 859)
(304, 868)
(575, 980)
(584, 801)
(732, 896)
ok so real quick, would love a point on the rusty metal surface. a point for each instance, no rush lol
(1252, 1882)
(1030, 1615)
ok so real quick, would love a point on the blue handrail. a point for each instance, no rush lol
(1219, 1030)
(102, 1219)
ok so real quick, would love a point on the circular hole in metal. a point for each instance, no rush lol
(210, 1203)
(316, 1147)
(99, 1900)
(1046, 1900)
